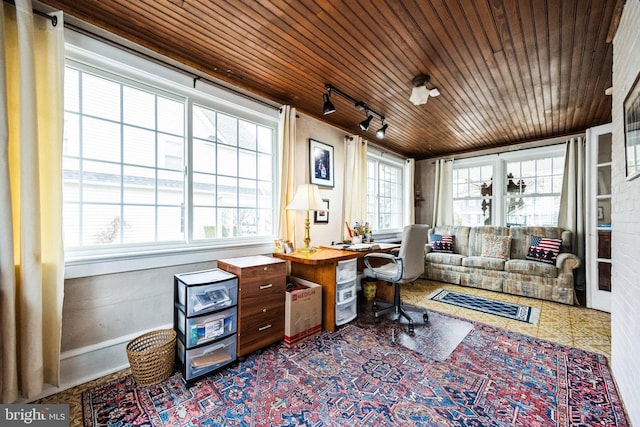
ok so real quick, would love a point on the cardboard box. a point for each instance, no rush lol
(303, 310)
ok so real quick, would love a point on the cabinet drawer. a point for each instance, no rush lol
(203, 360)
(201, 329)
(260, 330)
(346, 312)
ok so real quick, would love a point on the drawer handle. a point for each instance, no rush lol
(264, 328)
(266, 286)
(266, 268)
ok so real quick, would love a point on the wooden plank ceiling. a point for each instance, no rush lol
(508, 71)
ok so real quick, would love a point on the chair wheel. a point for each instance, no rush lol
(425, 317)
(376, 319)
(410, 328)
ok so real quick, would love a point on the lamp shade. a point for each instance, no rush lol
(307, 198)
(419, 95)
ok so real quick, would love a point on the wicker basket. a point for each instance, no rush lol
(152, 356)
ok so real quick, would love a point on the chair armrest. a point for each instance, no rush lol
(399, 263)
(379, 255)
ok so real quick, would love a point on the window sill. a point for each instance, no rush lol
(120, 263)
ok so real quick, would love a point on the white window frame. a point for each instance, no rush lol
(499, 162)
(384, 157)
(84, 51)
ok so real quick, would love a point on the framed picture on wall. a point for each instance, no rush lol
(321, 163)
(632, 131)
(322, 216)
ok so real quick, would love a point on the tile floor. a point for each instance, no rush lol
(573, 326)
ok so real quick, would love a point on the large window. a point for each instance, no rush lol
(532, 191)
(472, 195)
(150, 168)
(384, 194)
(514, 189)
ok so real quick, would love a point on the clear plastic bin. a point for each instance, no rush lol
(201, 329)
(346, 312)
(203, 360)
(347, 270)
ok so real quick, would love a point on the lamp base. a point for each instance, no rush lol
(307, 249)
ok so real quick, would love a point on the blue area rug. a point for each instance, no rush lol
(499, 308)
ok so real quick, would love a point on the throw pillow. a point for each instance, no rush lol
(496, 246)
(544, 249)
(442, 243)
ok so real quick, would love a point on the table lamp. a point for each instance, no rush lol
(307, 198)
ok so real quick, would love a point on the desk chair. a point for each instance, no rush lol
(405, 267)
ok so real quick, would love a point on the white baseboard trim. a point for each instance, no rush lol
(85, 364)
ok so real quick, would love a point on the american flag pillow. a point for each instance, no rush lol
(544, 249)
(442, 243)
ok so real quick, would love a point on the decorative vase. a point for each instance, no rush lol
(369, 290)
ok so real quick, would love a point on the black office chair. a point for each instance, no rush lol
(405, 267)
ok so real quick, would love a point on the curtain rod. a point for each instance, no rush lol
(52, 18)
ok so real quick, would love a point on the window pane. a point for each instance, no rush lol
(100, 140)
(265, 139)
(170, 188)
(204, 223)
(247, 164)
(532, 211)
(101, 224)
(139, 107)
(227, 191)
(101, 182)
(140, 224)
(247, 134)
(228, 222)
(204, 189)
(170, 116)
(384, 196)
(139, 146)
(100, 97)
(204, 156)
(139, 185)
(227, 160)
(227, 131)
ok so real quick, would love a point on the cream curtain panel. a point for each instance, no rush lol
(410, 177)
(287, 144)
(572, 202)
(31, 249)
(355, 181)
(443, 193)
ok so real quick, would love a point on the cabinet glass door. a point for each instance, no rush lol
(599, 223)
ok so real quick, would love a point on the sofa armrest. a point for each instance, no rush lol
(428, 248)
(567, 262)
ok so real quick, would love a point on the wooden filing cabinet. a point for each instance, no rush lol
(261, 297)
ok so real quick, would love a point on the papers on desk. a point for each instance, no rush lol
(363, 247)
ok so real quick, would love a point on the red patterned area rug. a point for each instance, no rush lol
(357, 376)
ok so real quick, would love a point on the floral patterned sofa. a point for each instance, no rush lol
(530, 261)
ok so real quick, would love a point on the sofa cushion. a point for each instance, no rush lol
(496, 246)
(543, 249)
(444, 258)
(485, 263)
(531, 268)
(442, 243)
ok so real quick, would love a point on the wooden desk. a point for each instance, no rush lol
(320, 267)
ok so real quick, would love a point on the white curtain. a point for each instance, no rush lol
(31, 251)
(355, 181)
(572, 202)
(443, 193)
(287, 145)
(410, 177)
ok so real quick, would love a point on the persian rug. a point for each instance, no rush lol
(357, 377)
(499, 308)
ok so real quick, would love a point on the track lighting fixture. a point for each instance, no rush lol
(380, 132)
(364, 125)
(329, 108)
(420, 94)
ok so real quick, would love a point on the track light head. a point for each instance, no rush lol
(380, 132)
(328, 107)
(364, 125)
